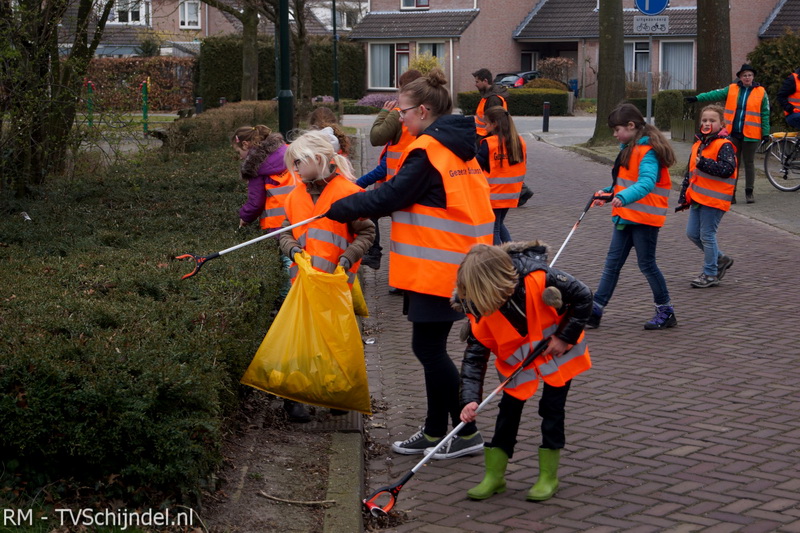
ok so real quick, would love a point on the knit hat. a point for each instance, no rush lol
(746, 67)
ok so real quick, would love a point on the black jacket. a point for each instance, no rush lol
(787, 89)
(576, 308)
(417, 181)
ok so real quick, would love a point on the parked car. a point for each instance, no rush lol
(515, 80)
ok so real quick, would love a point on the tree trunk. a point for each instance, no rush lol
(713, 45)
(249, 53)
(610, 68)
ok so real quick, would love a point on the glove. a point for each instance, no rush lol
(690, 99)
(337, 213)
(766, 138)
(294, 251)
(345, 263)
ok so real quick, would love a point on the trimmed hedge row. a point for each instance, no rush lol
(524, 102)
(115, 373)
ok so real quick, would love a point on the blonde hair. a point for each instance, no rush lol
(314, 146)
(486, 279)
(627, 112)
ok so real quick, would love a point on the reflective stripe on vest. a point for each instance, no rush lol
(706, 189)
(480, 124)
(794, 98)
(394, 151)
(652, 209)
(505, 181)
(496, 333)
(323, 239)
(751, 127)
(274, 214)
(428, 243)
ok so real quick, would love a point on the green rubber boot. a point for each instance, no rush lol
(493, 482)
(547, 484)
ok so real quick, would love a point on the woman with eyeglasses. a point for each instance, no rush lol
(439, 204)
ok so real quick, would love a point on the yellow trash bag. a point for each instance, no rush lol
(359, 303)
(313, 351)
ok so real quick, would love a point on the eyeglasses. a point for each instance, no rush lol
(403, 111)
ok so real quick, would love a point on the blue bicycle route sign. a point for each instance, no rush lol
(651, 7)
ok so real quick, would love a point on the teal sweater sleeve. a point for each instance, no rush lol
(719, 95)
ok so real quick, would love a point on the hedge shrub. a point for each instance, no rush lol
(214, 127)
(116, 374)
(524, 102)
(668, 105)
(117, 83)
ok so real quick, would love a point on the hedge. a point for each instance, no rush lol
(116, 374)
(222, 77)
(117, 83)
(524, 102)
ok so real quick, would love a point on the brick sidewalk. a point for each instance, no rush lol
(689, 429)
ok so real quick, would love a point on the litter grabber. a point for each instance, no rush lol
(200, 260)
(605, 197)
(373, 505)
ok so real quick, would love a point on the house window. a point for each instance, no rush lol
(190, 14)
(345, 19)
(434, 49)
(415, 4)
(677, 65)
(386, 63)
(637, 61)
(131, 12)
(529, 60)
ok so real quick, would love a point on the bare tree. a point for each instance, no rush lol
(713, 45)
(248, 15)
(610, 68)
(40, 88)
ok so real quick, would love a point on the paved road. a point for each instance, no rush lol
(696, 428)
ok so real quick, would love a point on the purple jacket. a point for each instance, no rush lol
(259, 164)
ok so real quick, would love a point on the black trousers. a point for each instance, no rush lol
(551, 409)
(442, 379)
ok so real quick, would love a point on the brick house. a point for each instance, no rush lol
(511, 35)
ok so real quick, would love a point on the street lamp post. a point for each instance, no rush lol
(285, 97)
(335, 57)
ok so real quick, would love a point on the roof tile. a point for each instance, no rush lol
(413, 24)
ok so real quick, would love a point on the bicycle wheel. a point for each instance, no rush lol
(782, 166)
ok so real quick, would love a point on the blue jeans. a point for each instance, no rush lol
(501, 233)
(702, 230)
(644, 239)
(793, 120)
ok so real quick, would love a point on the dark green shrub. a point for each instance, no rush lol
(214, 128)
(116, 374)
(524, 102)
(352, 109)
(668, 105)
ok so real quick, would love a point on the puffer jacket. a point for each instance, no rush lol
(576, 308)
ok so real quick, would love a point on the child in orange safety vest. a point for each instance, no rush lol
(513, 299)
(711, 184)
(502, 156)
(639, 206)
(326, 176)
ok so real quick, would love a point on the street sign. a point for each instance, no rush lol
(651, 7)
(651, 25)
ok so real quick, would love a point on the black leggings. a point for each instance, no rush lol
(551, 409)
(442, 380)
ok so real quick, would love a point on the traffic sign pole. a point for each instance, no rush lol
(650, 7)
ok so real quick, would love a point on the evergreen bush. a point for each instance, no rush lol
(523, 102)
(116, 374)
(667, 106)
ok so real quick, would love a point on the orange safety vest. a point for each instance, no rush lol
(394, 151)
(496, 333)
(274, 214)
(428, 243)
(505, 181)
(751, 128)
(324, 239)
(706, 189)
(794, 98)
(652, 209)
(480, 124)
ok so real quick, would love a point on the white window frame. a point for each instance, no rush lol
(343, 18)
(439, 44)
(415, 4)
(692, 72)
(183, 14)
(143, 10)
(632, 67)
(397, 49)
